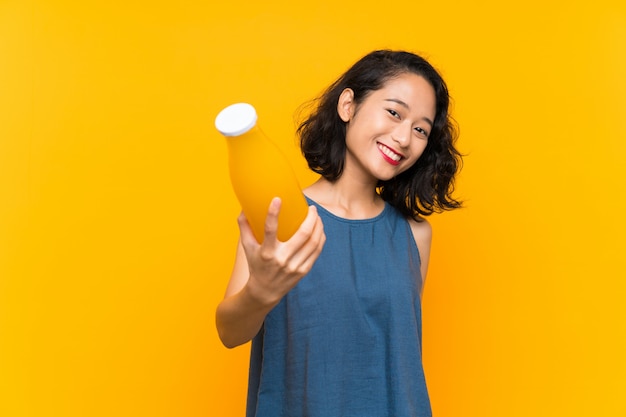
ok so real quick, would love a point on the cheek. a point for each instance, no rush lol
(419, 149)
(350, 133)
(416, 154)
(357, 133)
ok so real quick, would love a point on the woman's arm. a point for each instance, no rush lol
(423, 233)
(240, 315)
(264, 273)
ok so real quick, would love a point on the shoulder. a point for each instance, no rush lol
(422, 230)
(422, 233)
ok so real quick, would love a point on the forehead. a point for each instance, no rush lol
(410, 88)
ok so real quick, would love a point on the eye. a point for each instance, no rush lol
(393, 113)
(421, 131)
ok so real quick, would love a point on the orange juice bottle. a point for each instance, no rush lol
(260, 172)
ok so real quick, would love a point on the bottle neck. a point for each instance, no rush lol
(253, 141)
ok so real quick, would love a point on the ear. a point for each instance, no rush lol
(345, 105)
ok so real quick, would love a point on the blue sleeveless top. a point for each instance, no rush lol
(346, 340)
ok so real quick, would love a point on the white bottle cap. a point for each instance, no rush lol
(236, 119)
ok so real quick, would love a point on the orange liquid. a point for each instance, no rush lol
(260, 172)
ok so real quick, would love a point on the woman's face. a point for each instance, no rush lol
(388, 131)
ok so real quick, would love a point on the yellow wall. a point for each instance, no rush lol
(117, 222)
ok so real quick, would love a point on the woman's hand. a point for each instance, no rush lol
(264, 273)
(276, 267)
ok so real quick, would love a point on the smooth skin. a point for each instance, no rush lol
(385, 135)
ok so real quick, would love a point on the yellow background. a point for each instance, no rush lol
(117, 221)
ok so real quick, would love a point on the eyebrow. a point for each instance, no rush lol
(403, 104)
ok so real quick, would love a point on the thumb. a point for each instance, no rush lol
(271, 220)
(245, 231)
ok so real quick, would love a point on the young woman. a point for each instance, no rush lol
(334, 313)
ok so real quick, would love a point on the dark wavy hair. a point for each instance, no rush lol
(424, 188)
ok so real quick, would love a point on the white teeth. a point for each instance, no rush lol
(391, 154)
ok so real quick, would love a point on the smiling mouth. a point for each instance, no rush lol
(391, 156)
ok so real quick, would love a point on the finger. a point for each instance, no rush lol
(271, 221)
(304, 232)
(245, 231)
(310, 250)
(308, 262)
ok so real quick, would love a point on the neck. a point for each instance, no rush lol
(347, 198)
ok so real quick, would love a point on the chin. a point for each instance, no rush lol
(386, 177)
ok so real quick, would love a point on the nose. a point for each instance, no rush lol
(402, 134)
